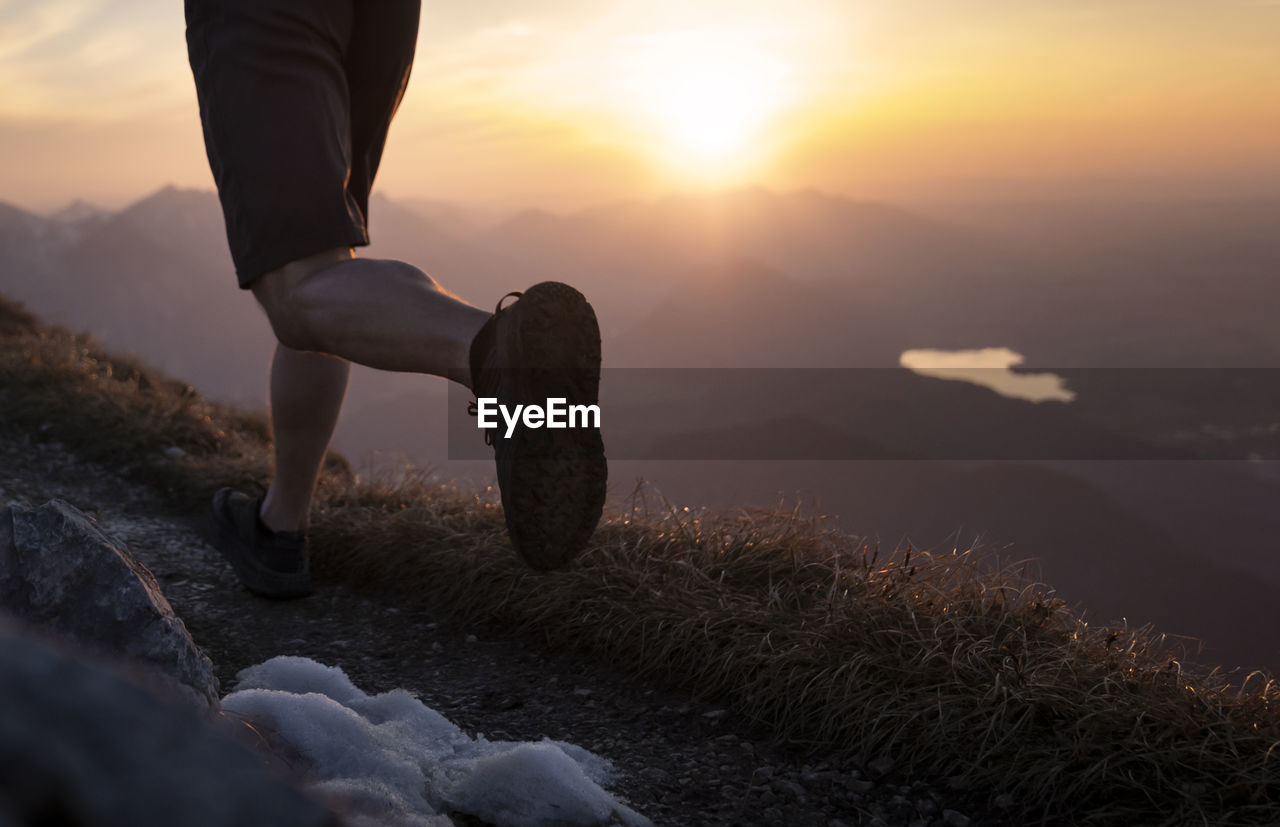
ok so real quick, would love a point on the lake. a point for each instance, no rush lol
(989, 367)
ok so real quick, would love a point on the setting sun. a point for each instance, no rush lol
(706, 101)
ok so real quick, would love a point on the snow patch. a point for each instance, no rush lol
(390, 759)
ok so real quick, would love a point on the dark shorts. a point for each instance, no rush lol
(295, 98)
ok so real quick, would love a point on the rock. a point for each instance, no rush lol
(655, 775)
(81, 744)
(955, 818)
(881, 766)
(60, 573)
(817, 776)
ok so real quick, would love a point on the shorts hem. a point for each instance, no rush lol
(247, 272)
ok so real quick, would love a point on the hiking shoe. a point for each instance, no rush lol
(546, 345)
(270, 563)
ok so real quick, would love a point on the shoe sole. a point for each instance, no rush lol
(253, 575)
(558, 477)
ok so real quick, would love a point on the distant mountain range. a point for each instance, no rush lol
(754, 280)
(748, 277)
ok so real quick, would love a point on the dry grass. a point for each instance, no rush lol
(948, 667)
(111, 409)
(944, 664)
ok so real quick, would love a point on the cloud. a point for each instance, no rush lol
(89, 59)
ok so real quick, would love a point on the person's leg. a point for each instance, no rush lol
(295, 106)
(376, 312)
(330, 309)
(306, 396)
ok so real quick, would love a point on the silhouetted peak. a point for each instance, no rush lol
(170, 196)
(172, 212)
(532, 218)
(747, 274)
(16, 218)
(78, 211)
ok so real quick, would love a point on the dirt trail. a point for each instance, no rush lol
(682, 761)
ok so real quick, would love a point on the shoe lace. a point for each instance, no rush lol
(472, 410)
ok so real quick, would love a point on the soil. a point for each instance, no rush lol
(680, 760)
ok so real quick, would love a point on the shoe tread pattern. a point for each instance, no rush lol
(559, 477)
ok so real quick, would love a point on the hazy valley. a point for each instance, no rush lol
(1137, 498)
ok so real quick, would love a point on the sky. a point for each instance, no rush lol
(564, 103)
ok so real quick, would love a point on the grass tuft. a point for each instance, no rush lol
(941, 662)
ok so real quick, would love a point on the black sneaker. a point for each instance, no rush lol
(545, 345)
(270, 563)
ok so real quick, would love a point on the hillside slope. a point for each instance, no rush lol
(928, 665)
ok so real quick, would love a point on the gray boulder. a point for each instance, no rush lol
(82, 744)
(59, 572)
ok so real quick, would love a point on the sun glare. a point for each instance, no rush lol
(706, 101)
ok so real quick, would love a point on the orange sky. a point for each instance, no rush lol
(567, 102)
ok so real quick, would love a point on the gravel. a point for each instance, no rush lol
(681, 761)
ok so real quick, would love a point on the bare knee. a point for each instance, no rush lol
(279, 294)
(287, 319)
